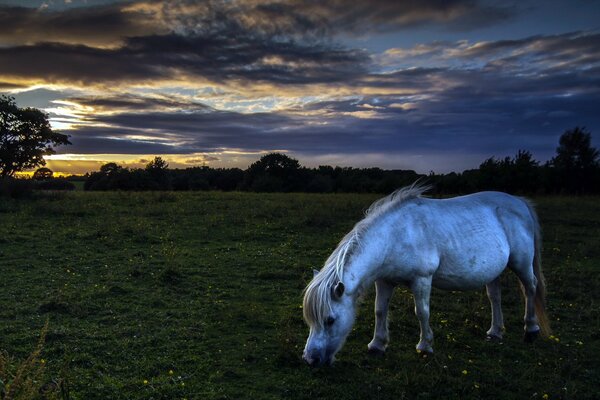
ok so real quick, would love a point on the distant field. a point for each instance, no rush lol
(209, 286)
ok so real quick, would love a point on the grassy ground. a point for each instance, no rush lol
(197, 295)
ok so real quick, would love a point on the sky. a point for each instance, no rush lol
(428, 85)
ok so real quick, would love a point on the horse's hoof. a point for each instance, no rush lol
(374, 351)
(493, 338)
(530, 337)
(425, 353)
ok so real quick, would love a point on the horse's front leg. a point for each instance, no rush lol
(381, 335)
(421, 288)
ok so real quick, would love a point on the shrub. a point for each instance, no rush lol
(16, 188)
(55, 184)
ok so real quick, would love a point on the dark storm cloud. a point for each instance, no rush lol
(193, 131)
(229, 55)
(484, 109)
(109, 24)
(359, 17)
(8, 85)
(552, 53)
(280, 42)
(99, 25)
(128, 102)
(442, 97)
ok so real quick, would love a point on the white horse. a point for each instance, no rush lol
(455, 244)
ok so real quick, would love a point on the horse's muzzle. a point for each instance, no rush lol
(315, 359)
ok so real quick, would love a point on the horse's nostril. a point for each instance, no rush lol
(312, 361)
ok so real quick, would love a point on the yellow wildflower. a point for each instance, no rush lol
(465, 372)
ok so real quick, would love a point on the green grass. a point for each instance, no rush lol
(209, 286)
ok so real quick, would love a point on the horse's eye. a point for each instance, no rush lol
(329, 321)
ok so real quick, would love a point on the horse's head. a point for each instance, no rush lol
(329, 313)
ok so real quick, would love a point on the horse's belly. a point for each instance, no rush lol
(470, 273)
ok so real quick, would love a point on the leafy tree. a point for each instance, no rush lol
(110, 169)
(576, 163)
(274, 172)
(575, 150)
(159, 172)
(525, 173)
(25, 137)
(43, 174)
(158, 164)
(275, 164)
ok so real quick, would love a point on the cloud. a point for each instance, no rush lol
(102, 26)
(136, 103)
(109, 24)
(200, 160)
(357, 18)
(221, 58)
(10, 86)
(531, 54)
(208, 77)
(151, 41)
(477, 109)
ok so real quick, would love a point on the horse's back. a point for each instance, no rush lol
(476, 236)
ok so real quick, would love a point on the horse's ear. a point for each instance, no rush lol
(338, 290)
(315, 272)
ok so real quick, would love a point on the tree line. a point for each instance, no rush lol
(26, 137)
(574, 170)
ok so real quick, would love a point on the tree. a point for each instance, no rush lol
(576, 162)
(575, 150)
(110, 169)
(525, 173)
(274, 172)
(158, 171)
(158, 164)
(25, 137)
(275, 164)
(43, 174)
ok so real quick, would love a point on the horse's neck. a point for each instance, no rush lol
(364, 266)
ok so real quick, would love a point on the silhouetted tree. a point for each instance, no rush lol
(575, 150)
(43, 174)
(525, 173)
(159, 172)
(25, 137)
(576, 161)
(280, 173)
(111, 169)
(103, 179)
(274, 172)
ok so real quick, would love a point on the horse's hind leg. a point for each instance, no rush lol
(529, 283)
(421, 288)
(493, 292)
(532, 329)
(381, 336)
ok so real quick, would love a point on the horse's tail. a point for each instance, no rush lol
(540, 290)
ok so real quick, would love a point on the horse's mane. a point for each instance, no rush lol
(317, 295)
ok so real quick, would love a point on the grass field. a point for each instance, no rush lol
(209, 287)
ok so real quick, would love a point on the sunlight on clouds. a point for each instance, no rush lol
(404, 106)
(67, 114)
(370, 114)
